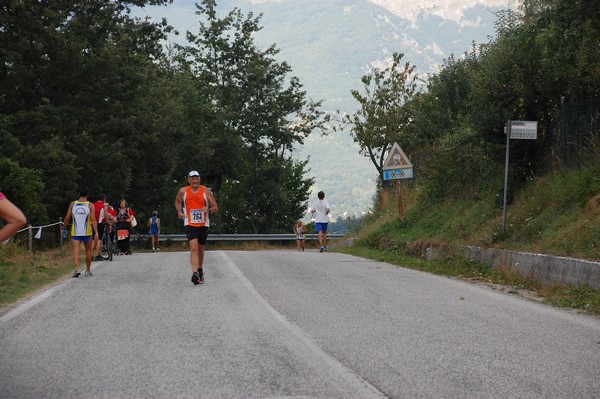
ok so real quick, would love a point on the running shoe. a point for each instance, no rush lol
(98, 258)
(76, 273)
(88, 273)
(201, 275)
(322, 249)
(196, 278)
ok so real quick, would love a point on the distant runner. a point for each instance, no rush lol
(300, 231)
(321, 209)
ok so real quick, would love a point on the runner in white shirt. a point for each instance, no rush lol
(321, 209)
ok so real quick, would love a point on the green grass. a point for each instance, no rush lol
(19, 277)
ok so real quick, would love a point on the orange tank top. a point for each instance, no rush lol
(193, 207)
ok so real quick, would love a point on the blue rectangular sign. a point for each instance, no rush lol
(395, 174)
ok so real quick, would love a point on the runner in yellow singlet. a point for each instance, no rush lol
(84, 229)
(194, 204)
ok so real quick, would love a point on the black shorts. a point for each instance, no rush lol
(100, 230)
(199, 233)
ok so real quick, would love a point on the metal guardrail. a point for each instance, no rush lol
(242, 237)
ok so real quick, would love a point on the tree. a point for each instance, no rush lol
(251, 114)
(383, 116)
(76, 78)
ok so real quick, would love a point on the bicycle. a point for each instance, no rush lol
(107, 245)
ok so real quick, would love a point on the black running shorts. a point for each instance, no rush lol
(101, 227)
(197, 233)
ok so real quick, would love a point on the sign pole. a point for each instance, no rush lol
(396, 167)
(508, 129)
(400, 204)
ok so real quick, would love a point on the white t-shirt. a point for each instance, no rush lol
(321, 206)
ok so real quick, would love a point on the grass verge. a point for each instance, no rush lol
(557, 214)
(19, 277)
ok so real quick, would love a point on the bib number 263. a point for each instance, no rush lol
(197, 215)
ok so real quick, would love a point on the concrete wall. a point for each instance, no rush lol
(545, 268)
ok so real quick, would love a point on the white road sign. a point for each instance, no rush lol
(523, 130)
(396, 159)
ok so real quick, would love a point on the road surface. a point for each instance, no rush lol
(284, 324)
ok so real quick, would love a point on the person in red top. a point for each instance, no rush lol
(194, 203)
(100, 212)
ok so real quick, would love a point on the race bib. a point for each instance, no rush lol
(197, 216)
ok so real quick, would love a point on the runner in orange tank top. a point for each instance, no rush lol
(194, 204)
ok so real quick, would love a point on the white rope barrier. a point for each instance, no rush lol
(38, 236)
(38, 227)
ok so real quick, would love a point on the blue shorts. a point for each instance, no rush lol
(83, 239)
(321, 227)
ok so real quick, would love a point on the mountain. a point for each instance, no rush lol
(330, 45)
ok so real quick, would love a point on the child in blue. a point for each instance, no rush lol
(154, 225)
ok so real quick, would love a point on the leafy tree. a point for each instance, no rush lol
(382, 116)
(251, 115)
(75, 78)
(548, 51)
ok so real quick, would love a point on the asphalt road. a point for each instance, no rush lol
(283, 324)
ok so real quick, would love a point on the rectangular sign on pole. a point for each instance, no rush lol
(516, 130)
(523, 130)
(398, 174)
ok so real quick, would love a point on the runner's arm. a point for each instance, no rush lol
(212, 202)
(178, 200)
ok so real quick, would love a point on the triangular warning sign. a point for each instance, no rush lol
(396, 159)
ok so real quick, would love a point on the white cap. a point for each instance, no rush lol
(193, 173)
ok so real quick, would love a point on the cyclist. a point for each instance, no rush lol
(109, 218)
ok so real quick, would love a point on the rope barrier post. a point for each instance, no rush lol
(62, 242)
(29, 227)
